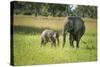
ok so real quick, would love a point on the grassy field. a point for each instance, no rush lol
(27, 50)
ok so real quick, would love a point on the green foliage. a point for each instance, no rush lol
(56, 10)
(86, 11)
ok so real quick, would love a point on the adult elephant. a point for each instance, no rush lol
(75, 26)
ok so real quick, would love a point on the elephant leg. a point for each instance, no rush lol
(78, 40)
(77, 44)
(58, 41)
(42, 42)
(64, 39)
(45, 41)
(71, 40)
(54, 42)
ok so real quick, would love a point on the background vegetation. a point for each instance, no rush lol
(58, 10)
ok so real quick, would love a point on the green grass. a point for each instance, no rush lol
(27, 50)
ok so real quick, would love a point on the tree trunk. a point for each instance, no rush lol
(36, 9)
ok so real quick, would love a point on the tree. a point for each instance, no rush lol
(49, 9)
(86, 11)
(36, 9)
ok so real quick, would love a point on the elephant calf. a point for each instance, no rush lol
(49, 36)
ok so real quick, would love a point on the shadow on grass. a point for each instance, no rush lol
(27, 30)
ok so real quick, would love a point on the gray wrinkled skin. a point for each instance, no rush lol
(49, 36)
(76, 28)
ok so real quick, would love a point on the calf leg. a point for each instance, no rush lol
(58, 41)
(42, 42)
(53, 42)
